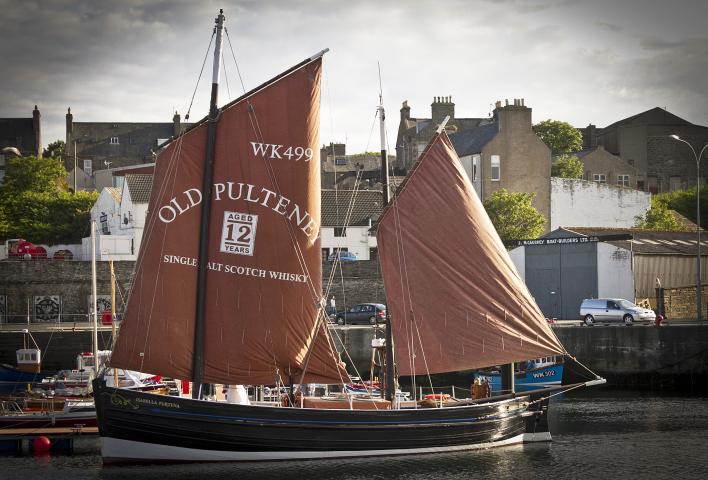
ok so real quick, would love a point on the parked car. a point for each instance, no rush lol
(344, 256)
(606, 310)
(371, 313)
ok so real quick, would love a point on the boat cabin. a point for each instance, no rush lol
(29, 360)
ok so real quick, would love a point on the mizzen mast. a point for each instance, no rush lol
(198, 357)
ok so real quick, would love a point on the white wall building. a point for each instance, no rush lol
(120, 219)
(347, 216)
(581, 203)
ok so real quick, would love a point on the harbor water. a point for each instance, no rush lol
(598, 433)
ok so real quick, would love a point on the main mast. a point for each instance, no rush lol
(390, 381)
(198, 357)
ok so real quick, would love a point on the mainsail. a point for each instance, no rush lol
(264, 272)
(455, 298)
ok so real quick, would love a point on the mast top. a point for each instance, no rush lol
(441, 127)
(319, 54)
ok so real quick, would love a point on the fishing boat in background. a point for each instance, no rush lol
(530, 375)
(233, 234)
(28, 369)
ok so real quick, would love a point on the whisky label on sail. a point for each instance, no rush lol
(238, 234)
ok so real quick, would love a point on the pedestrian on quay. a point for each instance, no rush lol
(332, 306)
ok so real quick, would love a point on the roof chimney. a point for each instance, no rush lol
(441, 108)
(37, 127)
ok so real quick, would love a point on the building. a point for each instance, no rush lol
(97, 146)
(601, 166)
(120, 215)
(592, 204)
(572, 263)
(415, 133)
(347, 217)
(22, 134)
(350, 172)
(506, 153)
(662, 164)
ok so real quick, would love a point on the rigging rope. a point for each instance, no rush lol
(191, 102)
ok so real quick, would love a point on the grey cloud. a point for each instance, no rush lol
(609, 26)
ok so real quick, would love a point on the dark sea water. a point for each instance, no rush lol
(598, 434)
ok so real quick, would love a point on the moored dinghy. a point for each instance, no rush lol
(237, 242)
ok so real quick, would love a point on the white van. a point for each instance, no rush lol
(606, 310)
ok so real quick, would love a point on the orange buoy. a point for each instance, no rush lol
(41, 444)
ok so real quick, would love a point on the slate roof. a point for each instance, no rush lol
(668, 118)
(472, 141)
(584, 152)
(368, 204)
(139, 186)
(647, 242)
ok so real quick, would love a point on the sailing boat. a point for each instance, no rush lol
(227, 290)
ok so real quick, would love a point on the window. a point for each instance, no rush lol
(475, 167)
(114, 140)
(640, 185)
(103, 219)
(599, 178)
(623, 180)
(325, 253)
(88, 167)
(340, 161)
(340, 232)
(373, 253)
(496, 168)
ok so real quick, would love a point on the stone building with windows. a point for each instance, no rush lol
(415, 133)
(603, 167)
(343, 171)
(506, 153)
(643, 141)
(98, 146)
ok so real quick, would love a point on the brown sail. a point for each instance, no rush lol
(455, 298)
(264, 280)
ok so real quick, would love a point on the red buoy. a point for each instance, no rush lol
(41, 444)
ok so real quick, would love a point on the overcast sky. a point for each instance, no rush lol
(580, 61)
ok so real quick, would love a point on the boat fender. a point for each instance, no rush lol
(41, 444)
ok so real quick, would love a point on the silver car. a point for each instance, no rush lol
(605, 310)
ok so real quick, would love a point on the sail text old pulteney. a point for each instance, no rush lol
(280, 204)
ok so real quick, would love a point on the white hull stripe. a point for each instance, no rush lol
(118, 450)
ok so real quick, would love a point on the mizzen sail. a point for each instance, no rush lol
(264, 272)
(455, 298)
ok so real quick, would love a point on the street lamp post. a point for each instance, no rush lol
(699, 309)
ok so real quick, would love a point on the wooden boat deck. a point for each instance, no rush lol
(51, 432)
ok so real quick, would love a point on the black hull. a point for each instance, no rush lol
(143, 428)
